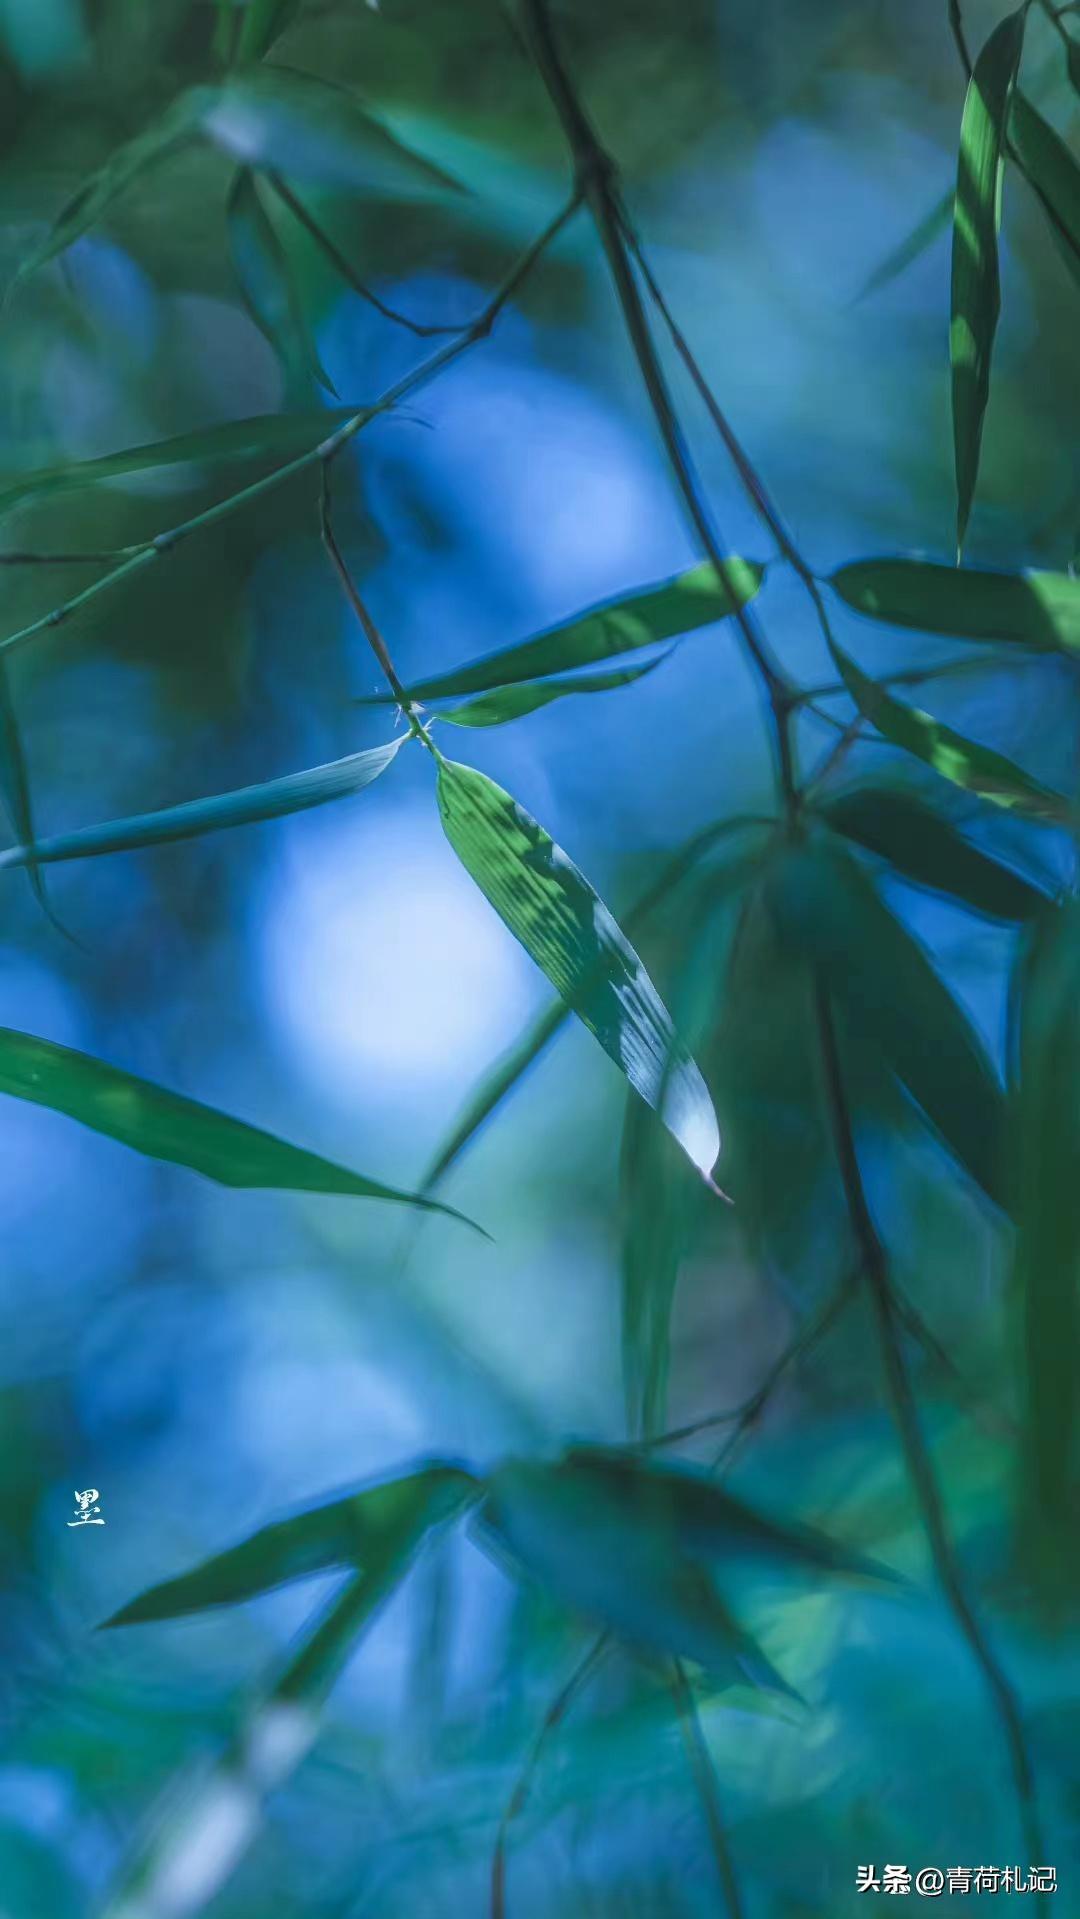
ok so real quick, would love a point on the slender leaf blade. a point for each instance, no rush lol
(908, 251)
(310, 129)
(661, 612)
(267, 284)
(246, 805)
(549, 906)
(1030, 607)
(169, 1126)
(976, 285)
(345, 1532)
(1052, 172)
(505, 703)
(926, 848)
(264, 22)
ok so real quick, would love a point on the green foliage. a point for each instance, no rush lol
(266, 281)
(926, 848)
(1032, 609)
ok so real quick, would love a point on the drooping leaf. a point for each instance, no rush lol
(711, 1524)
(976, 285)
(267, 284)
(1038, 609)
(608, 1547)
(1047, 1261)
(551, 908)
(661, 612)
(897, 262)
(926, 848)
(978, 769)
(266, 436)
(352, 1532)
(310, 129)
(264, 22)
(270, 800)
(177, 125)
(513, 702)
(170, 1127)
(1052, 172)
(831, 917)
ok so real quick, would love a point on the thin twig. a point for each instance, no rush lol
(352, 594)
(515, 1805)
(704, 1772)
(423, 331)
(145, 555)
(64, 559)
(875, 1269)
(956, 27)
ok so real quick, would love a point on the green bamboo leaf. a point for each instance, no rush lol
(1047, 1258)
(978, 769)
(605, 1545)
(170, 1127)
(926, 848)
(353, 1531)
(266, 282)
(264, 22)
(513, 702)
(179, 124)
(310, 129)
(550, 907)
(1032, 608)
(976, 285)
(923, 236)
(1052, 172)
(271, 800)
(662, 612)
(266, 436)
(826, 910)
(714, 1526)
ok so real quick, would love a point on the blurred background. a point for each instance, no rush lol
(211, 1359)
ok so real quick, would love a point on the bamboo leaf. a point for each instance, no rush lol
(663, 612)
(513, 702)
(978, 769)
(1032, 608)
(354, 1531)
(1047, 1259)
(270, 800)
(550, 907)
(976, 286)
(828, 913)
(1053, 174)
(927, 849)
(310, 129)
(170, 1127)
(266, 282)
(897, 262)
(264, 22)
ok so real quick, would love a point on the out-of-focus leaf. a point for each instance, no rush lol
(266, 436)
(551, 908)
(829, 914)
(1053, 173)
(16, 782)
(712, 1525)
(266, 282)
(660, 1208)
(309, 129)
(264, 22)
(347, 1532)
(607, 1545)
(1037, 609)
(170, 1127)
(1047, 1270)
(905, 255)
(513, 702)
(978, 769)
(180, 123)
(662, 612)
(269, 801)
(928, 849)
(976, 285)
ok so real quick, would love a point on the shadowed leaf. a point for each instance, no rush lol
(925, 848)
(976, 287)
(513, 702)
(310, 129)
(170, 1127)
(267, 284)
(551, 908)
(270, 800)
(264, 22)
(1037, 609)
(1052, 172)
